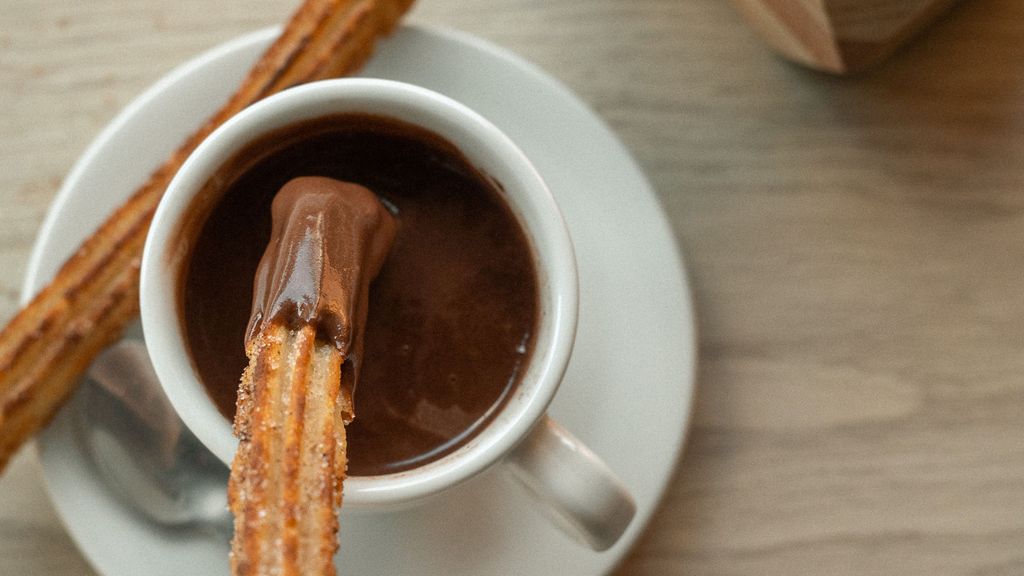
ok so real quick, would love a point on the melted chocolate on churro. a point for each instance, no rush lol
(450, 316)
(327, 241)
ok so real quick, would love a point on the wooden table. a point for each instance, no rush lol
(856, 249)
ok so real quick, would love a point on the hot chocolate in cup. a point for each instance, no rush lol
(347, 119)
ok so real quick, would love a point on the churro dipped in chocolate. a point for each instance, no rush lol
(304, 341)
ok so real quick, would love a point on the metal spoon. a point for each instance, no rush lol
(144, 451)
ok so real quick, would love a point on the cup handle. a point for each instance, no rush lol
(580, 493)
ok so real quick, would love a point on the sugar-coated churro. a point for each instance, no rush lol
(287, 476)
(329, 239)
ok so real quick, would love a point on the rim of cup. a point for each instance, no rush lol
(489, 150)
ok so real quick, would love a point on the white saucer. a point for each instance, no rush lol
(628, 389)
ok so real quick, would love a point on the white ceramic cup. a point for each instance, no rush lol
(580, 493)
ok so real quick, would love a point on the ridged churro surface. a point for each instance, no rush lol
(287, 475)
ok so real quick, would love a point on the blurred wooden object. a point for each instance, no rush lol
(839, 36)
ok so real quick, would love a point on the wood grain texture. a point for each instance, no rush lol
(839, 36)
(856, 247)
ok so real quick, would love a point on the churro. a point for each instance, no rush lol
(310, 303)
(287, 475)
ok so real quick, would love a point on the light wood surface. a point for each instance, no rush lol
(839, 36)
(856, 248)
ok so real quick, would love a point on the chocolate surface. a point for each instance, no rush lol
(450, 316)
